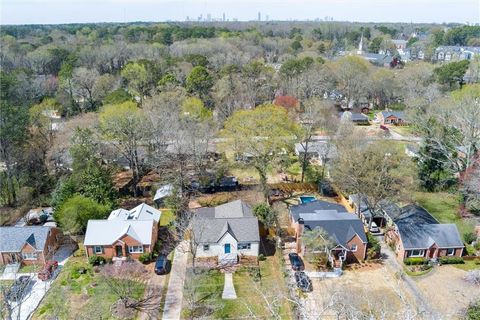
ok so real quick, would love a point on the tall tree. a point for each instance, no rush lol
(351, 73)
(261, 133)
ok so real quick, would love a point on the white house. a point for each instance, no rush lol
(228, 232)
(141, 212)
(322, 151)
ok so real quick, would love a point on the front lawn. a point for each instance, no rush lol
(253, 285)
(79, 293)
(468, 265)
(445, 208)
(30, 268)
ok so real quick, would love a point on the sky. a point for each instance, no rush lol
(75, 11)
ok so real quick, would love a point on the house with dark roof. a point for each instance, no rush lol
(345, 229)
(392, 117)
(28, 244)
(321, 151)
(228, 232)
(355, 117)
(417, 233)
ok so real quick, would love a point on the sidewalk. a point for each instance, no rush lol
(173, 301)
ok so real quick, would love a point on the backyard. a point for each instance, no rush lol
(445, 208)
(254, 287)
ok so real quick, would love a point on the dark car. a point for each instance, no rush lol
(303, 282)
(161, 264)
(18, 289)
(384, 128)
(296, 261)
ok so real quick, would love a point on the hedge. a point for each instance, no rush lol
(415, 261)
(451, 260)
(96, 260)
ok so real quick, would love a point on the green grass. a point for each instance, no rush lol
(444, 207)
(468, 265)
(75, 294)
(416, 273)
(249, 292)
(166, 217)
(29, 268)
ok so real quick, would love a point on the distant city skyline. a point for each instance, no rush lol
(88, 11)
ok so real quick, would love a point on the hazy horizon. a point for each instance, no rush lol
(92, 11)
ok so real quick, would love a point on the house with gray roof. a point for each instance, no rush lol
(392, 117)
(417, 233)
(322, 151)
(345, 229)
(228, 232)
(28, 244)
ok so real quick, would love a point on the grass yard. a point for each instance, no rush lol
(468, 265)
(203, 293)
(79, 292)
(29, 268)
(444, 207)
(166, 217)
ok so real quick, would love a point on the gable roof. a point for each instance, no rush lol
(12, 239)
(319, 147)
(140, 212)
(418, 229)
(106, 232)
(396, 114)
(236, 218)
(332, 217)
(163, 192)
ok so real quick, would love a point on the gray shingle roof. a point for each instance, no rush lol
(12, 239)
(106, 232)
(331, 217)
(419, 230)
(319, 147)
(236, 217)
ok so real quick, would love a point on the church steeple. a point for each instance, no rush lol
(360, 45)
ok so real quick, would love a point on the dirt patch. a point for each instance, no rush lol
(372, 289)
(445, 286)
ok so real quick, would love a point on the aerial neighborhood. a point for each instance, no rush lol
(226, 169)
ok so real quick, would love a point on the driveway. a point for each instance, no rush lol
(173, 301)
(154, 289)
(39, 288)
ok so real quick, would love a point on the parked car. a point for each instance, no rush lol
(18, 289)
(161, 264)
(384, 127)
(296, 261)
(48, 270)
(303, 281)
(374, 228)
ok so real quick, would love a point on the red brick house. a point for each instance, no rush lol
(344, 228)
(119, 239)
(29, 244)
(417, 234)
(392, 117)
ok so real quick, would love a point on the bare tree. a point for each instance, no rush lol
(83, 81)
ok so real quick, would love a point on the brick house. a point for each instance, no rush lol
(417, 234)
(29, 244)
(119, 239)
(344, 228)
(392, 117)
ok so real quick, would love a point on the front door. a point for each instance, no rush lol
(119, 251)
(227, 247)
(13, 258)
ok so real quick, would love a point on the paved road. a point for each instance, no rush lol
(173, 301)
(424, 306)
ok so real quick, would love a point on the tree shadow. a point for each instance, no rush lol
(267, 247)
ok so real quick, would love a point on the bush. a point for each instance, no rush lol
(373, 250)
(469, 237)
(261, 257)
(96, 260)
(215, 200)
(473, 311)
(415, 261)
(451, 260)
(145, 258)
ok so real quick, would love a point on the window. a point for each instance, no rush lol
(416, 253)
(244, 246)
(206, 247)
(353, 248)
(29, 255)
(97, 249)
(135, 249)
(451, 252)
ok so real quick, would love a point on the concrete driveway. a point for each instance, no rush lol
(39, 288)
(173, 301)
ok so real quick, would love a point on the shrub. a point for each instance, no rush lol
(261, 257)
(373, 250)
(451, 260)
(96, 260)
(145, 258)
(469, 237)
(215, 200)
(473, 311)
(415, 261)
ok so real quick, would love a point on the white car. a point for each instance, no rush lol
(374, 228)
